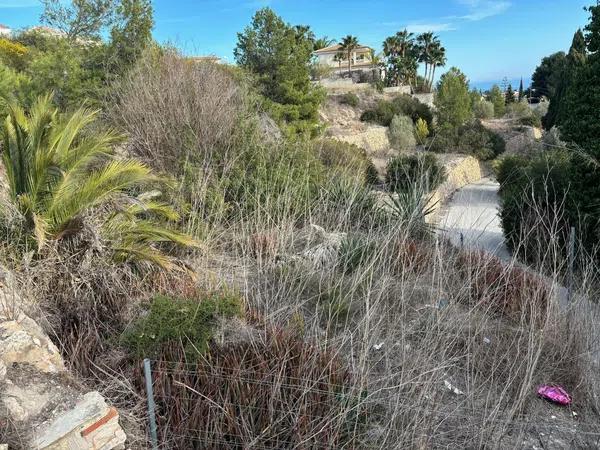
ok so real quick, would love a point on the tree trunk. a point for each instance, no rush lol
(432, 77)
(350, 64)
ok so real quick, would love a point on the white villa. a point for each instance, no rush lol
(360, 60)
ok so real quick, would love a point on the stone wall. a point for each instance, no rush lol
(397, 90)
(374, 139)
(37, 394)
(461, 170)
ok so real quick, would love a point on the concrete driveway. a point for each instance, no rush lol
(471, 216)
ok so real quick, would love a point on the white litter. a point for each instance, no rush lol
(453, 388)
(378, 346)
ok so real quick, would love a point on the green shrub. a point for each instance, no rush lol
(381, 115)
(350, 99)
(421, 131)
(401, 133)
(189, 322)
(470, 139)
(445, 139)
(354, 252)
(483, 110)
(405, 105)
(532, 192)
(346, 201)
(413, 108)
(518, 110)
(405, 171)
(343, 156)
(531, 121)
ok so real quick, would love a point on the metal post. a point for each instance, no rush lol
(151, 405)
(571, 262)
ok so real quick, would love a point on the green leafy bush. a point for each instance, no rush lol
(340, 156)
(471, 139)
(532, 193)
(413, 108)
(401, 133)
(483, 110)
(518, 110)
(405, 171)
(531, 121)
(406, 105)
(350, 99)
(189, 322)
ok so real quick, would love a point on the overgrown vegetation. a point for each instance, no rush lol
(320, 310)
(404, 172)
(385, 111)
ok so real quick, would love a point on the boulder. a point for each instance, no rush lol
(22, 341)
(23, 403)
(91, 424)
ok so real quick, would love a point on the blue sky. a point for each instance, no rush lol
(487, 39)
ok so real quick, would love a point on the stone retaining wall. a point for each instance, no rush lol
(461, 171)
(374, 139)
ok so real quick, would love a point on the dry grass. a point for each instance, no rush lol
(417, 346)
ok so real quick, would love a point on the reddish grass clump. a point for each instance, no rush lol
(274, 391)
(412, 256)
(507, 290)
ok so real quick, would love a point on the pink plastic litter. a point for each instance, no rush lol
(555, 394)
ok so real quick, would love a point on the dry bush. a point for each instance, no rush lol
(275, 391)
(178, 111)
(503, 288)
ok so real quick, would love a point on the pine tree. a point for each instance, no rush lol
(509, 95)
(521, 90)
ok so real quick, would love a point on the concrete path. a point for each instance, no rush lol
(471, 215)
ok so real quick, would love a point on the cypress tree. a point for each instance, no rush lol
(521, 90)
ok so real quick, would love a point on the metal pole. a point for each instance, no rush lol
(151, 405)
(571, 262)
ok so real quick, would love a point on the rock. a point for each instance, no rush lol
(23, 404)
(91, 424)
(22, 341)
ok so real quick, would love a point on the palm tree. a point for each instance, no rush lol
(58, 171)
(426, 43)
(348, 45)
(376, 61)
(322, 43)
(405, 42)
(339, 57)
(391, 47)
(438, 59)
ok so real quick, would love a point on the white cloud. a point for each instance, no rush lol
(482, 9)
(425, 27)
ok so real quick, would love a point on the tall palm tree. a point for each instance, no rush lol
(348, 45)
(391, 46)
(375, 62)
(58, 170)
(426, 43)
(438, 59)
(405, 42)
